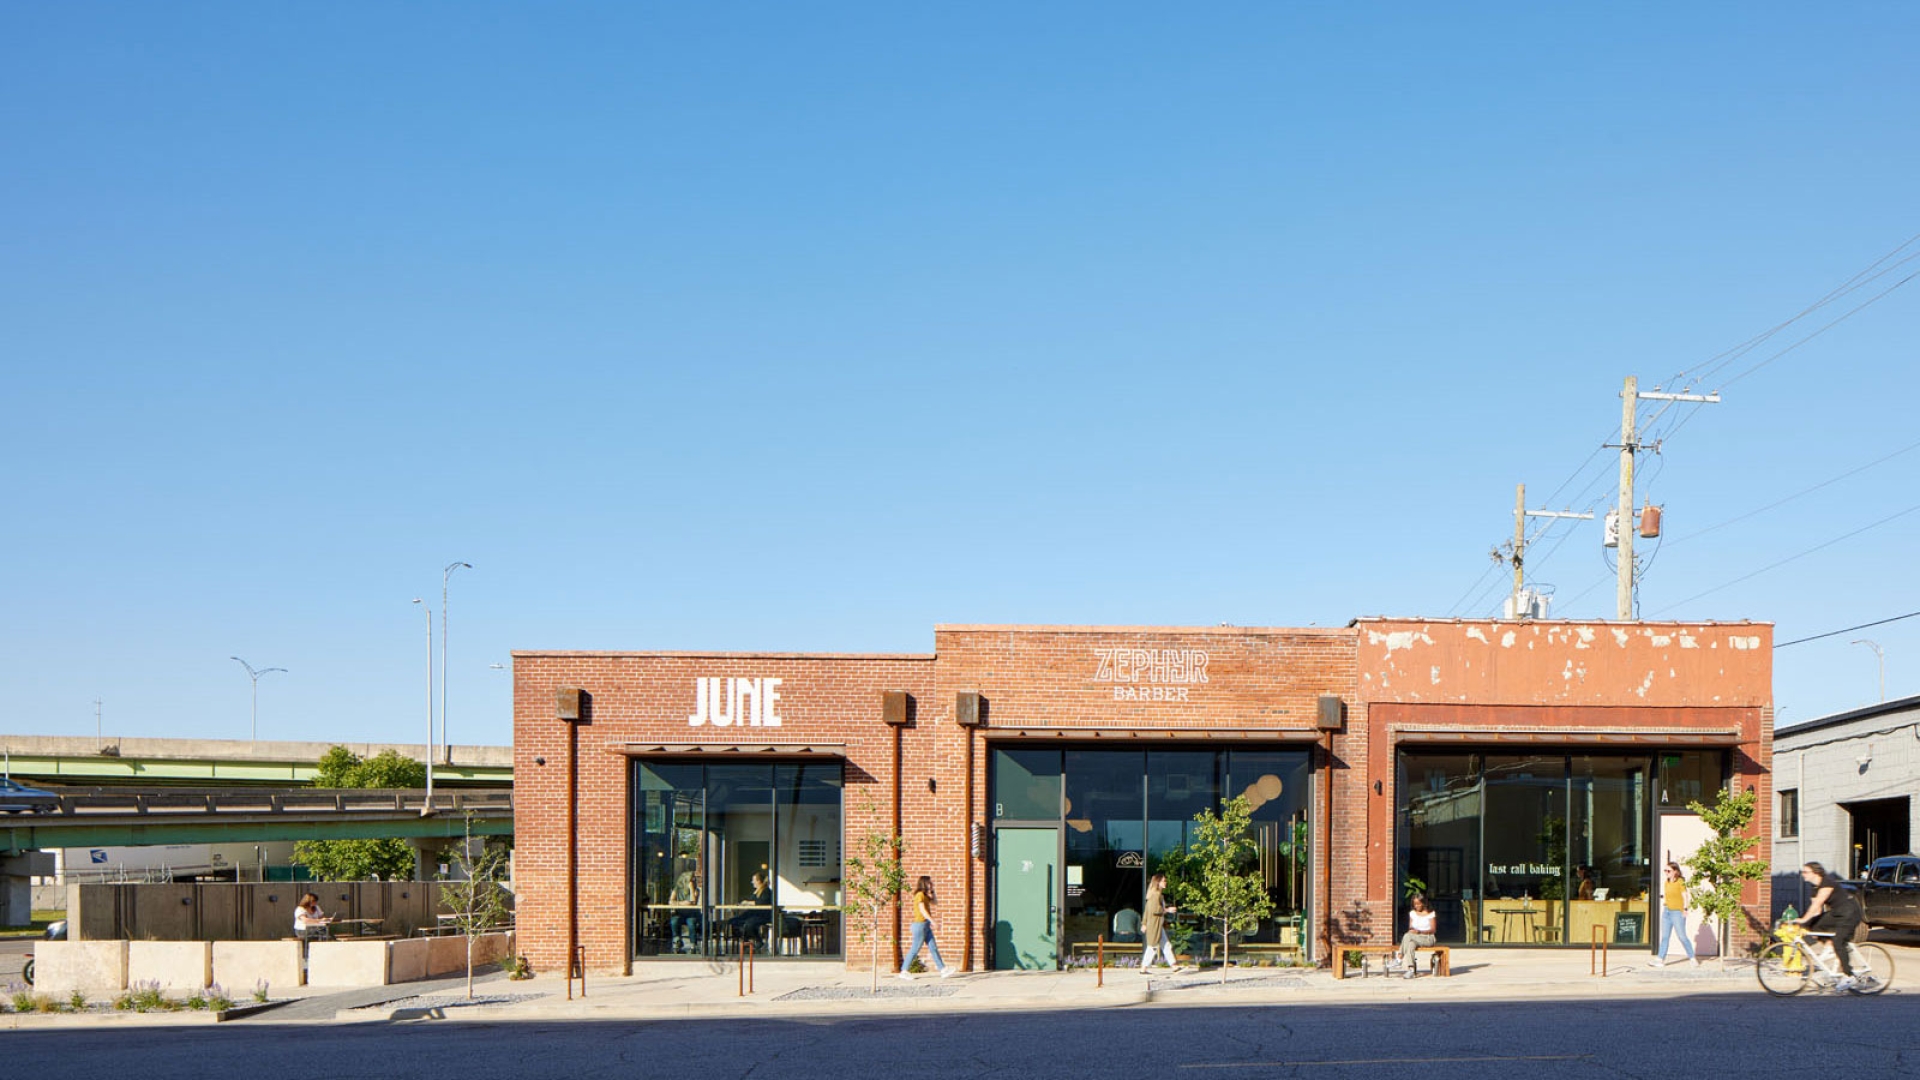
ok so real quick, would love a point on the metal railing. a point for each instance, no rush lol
(162, 801)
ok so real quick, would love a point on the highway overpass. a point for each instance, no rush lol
(122, 817)
(75, 760)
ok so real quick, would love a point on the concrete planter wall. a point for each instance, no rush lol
(175, 965)
(95, 968)
(407, 960)
(450, 953)
(347, 963)
(239, 966)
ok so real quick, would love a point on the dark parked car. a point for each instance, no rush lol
(1890, 893)
(18, 798)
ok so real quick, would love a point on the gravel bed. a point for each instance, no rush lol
(446, 1001)
(1265, 982)
(849, 993)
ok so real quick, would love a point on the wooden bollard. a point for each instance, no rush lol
(1100, 960)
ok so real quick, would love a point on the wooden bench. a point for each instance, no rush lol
(1256, 948)
(1442, 958)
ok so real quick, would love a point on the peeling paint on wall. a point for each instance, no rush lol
(1744, 643)
(1477, 634)
(1506, 640)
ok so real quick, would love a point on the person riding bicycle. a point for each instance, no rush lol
(1837, 912)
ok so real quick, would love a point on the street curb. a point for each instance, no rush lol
(796, 1009)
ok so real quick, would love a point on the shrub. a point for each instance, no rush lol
(77, 1001)
(217, 999)
(260, 991)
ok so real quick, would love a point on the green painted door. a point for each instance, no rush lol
(1025, 899)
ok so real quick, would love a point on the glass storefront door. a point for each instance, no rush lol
(727, 854)
(1547, 848)
(1116, 816)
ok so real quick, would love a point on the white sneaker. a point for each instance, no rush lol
(905, 976)
(1695, 962)
(949, 972)
(1845, 982)
(1658, 962)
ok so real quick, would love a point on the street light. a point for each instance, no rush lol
(446, 751)
(1881, 653)
(428, 608)
(253, 734)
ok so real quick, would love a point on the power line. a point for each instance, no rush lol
(1846, 630)
(1804, 491)
(1791, 558)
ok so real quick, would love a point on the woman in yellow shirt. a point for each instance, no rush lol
(1673, 916)
(923, 902)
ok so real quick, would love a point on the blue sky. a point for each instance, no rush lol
(762, 327)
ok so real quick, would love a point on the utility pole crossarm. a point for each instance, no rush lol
(1588, 516)
(1655, 395)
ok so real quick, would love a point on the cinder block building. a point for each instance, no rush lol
(1845, 798)
(1528, 776)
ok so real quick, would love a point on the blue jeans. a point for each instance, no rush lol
(1673, 922)
(923, 935)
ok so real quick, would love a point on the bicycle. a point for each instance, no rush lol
(1791, 963)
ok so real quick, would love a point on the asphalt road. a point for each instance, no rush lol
(1743, 1035)
(13, 953)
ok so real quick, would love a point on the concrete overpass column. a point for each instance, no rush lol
(426, 857)
(16, 888)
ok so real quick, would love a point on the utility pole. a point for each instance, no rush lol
(1517, 555)
(1519, 541)
(1630, 399)
(1623, 524)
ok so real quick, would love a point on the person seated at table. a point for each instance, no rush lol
(1420, 926)
(686, 924)
(1126, 925)
(749, 924)
(309, 922)
(1584, 890)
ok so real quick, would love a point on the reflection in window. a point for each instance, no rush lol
(1691, 776)
(1124, 812)
(729, 854)
(1529, 849)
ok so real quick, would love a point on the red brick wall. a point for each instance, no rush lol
(1049, 683)
(1563, 683)
(635, 697)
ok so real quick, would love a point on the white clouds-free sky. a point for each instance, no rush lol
(755, 326)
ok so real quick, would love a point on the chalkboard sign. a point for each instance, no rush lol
(1630, 928)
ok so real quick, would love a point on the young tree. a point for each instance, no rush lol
(1724, 864)
(872, 880)
(1221, 882)
(360, 860)
(480, 902)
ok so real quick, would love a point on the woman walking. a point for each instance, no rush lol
(1673, 916)
(1153, 925)
(923, 902)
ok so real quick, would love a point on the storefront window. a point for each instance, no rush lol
(1691, 776)
(1441, 803)
(730, 854)
(1026, 785)
(1612, 841)
(1529, 849)
(1104, 879)
(1124, 812)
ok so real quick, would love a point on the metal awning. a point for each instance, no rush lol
(638, 749)
(1570, 736)
(1121, 735)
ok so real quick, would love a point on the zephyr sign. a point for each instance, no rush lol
(735, 703)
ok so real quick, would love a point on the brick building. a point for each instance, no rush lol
(1530, 776)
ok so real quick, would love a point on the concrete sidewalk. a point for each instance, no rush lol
(670, 989)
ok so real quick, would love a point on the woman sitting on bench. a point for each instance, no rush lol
(1419, 935)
